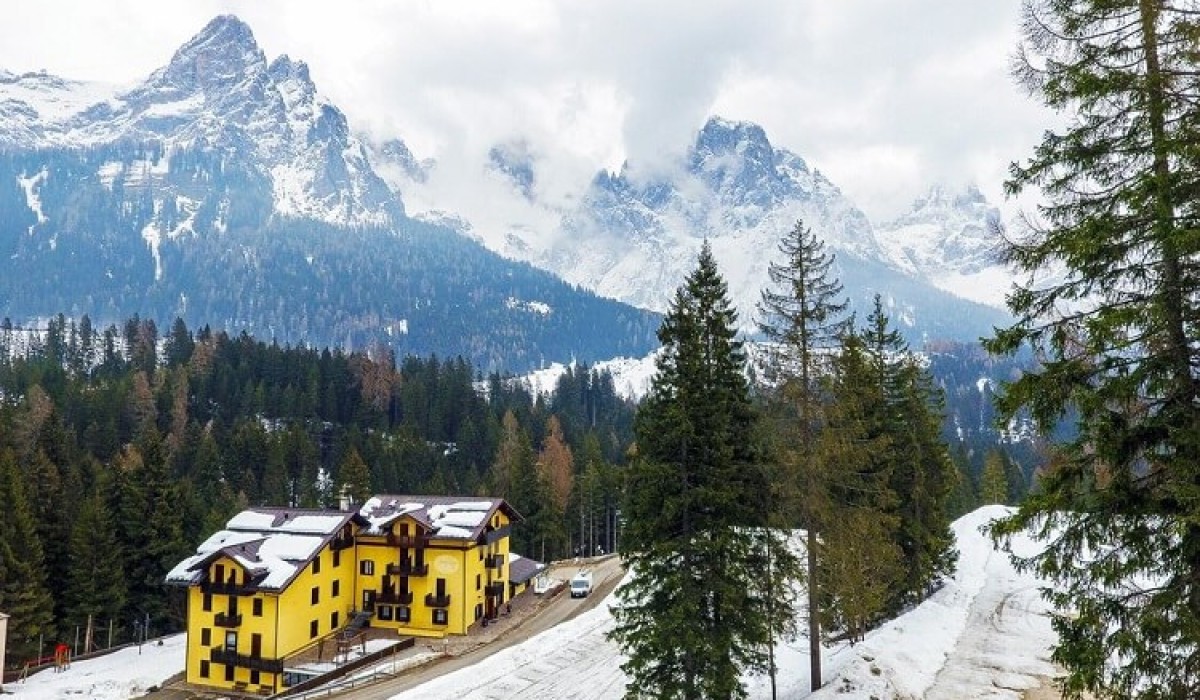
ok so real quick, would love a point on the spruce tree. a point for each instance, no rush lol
(354, 478)
(692, 620)
(803, 314)
(1116, 326)
(95, 583)
(24, 592)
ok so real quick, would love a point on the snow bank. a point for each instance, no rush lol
(985, 634)
(117, 676)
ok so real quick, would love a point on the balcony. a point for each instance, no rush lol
(393, 598)
(341, 543)
(225, 588)
(495, 588)
(437, 601)
(230, 620)
(494, 561)
(407, 568)
(229, 657)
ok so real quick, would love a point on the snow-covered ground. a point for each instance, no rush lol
(983, 635)
(116, 676)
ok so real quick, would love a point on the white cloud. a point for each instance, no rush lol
(885, 97)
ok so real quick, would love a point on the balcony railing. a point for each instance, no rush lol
(407, 568)
(494, 561)
(341, 543)
(229, 620)
(394, 598)
(225, 588)
(229, 657)
(433, 600)
(494, 588)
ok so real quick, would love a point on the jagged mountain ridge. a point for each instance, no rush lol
(217, 93)
(226, 190)
(633, 235)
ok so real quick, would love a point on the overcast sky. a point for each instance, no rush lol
(884, 96)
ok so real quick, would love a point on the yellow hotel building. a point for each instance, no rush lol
(277, 581)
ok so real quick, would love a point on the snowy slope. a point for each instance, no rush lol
(950, 239)
(128, 673)
(983, 635)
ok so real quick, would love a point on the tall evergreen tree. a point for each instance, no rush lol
(96, 578)
(691, 621)
(1117, 327)
(24, 592)
(803, 314)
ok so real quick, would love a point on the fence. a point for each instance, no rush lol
(317, 687)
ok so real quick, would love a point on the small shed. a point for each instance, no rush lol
(521, 571)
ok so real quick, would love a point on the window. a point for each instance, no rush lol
(403, 613)
(254, 678)
(313, 628)
(316, 595)
(231, 641)
(477, 586)
(333, 620)
(384, 612)
(220, 573)
(205, 637)
(478, 611)
(208, 602)
(204, 668)
(337, 558)
(257, 607)
(337, 589)
(366, 567)
(228, 672)
(317, 564)
(440, 616)
(480, 553)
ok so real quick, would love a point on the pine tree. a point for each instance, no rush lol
(803, 316)
(692, 621)
(993, 488)
(96, 579)
(24, 593)
(354, 478)
(1116, 327)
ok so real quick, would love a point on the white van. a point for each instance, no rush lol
(581, 584)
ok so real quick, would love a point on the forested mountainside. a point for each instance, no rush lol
(123, 447)
(120, 451)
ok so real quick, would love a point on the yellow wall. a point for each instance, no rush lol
(281, 635)
(285, 623)
(456, 561)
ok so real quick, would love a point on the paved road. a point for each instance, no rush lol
(606, 575)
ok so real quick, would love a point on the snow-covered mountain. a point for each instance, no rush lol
(226, 190)
(950, 239)
(633, 235)
(217, 93)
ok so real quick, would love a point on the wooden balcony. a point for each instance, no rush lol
(229, 657)
(495, 588)
(433, 600)
(407, 568)
(394, 598)
(494, 561)
(225, 588)
(228, 620)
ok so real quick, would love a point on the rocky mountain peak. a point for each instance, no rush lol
(221, 54)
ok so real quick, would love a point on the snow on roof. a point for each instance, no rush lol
(283, 520)
(521, 569)
(272, 545)
(445, 517)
